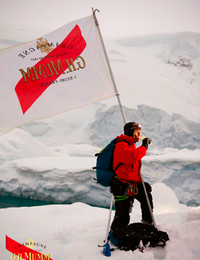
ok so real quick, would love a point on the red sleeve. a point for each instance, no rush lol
(129, 154)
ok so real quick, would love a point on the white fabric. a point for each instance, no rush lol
(89, 82)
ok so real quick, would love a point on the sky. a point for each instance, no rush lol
(118, 18)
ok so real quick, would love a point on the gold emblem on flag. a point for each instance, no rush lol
(30, 243)
(43, 45)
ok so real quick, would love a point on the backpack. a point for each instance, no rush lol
(104, 164)
(137, 235)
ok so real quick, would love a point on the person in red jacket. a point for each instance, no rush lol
(126, 184)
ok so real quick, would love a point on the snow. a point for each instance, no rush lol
(156, 69)
(75, 231)
(151, 86)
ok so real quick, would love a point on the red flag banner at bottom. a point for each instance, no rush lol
(24, 252)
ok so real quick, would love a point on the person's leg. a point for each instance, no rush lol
(141, 197)
(122, 216)
(122, 205)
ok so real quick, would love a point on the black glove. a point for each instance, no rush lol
(146, 142)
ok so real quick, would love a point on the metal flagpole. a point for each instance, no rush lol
(148, 202)
(106, 250)
(108, 63)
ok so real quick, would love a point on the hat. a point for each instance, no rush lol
(130, 127)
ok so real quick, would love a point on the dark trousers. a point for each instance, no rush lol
(123, 207)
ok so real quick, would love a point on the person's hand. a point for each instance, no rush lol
(146, 142)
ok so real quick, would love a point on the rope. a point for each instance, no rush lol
(120, 198)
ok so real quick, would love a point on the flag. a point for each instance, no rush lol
(61, 71)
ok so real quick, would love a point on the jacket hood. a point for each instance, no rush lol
(128, 139)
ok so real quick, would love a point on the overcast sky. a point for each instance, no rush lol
(117, 17)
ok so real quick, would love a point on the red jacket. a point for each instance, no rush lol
(130, 157)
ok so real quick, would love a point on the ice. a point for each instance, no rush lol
(64, 174)
(166, 131)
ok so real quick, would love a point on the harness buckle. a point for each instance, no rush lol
(132, 189)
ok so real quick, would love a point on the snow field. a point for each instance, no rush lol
(75, 231)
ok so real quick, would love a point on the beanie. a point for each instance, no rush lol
(130, 127)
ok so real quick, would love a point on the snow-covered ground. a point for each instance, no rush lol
(75, 231)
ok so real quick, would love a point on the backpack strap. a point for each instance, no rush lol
(120, 162)
(117, 167)
(131, 186)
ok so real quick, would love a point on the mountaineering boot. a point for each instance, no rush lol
(114, 240)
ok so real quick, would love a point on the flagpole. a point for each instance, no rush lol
(106, 250)
(109, 67)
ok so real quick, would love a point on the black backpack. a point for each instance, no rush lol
(137, 235)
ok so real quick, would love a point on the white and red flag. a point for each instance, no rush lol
(60, 71)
